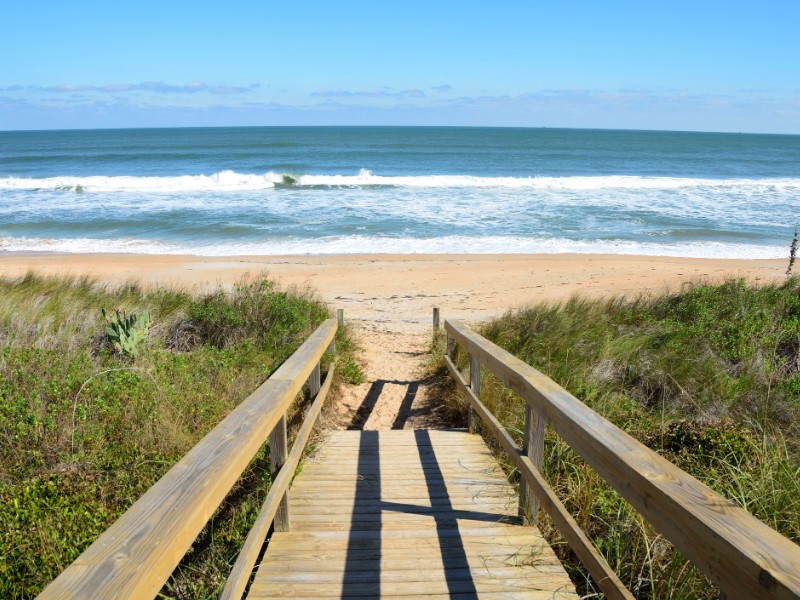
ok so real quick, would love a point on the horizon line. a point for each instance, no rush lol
(339, 126)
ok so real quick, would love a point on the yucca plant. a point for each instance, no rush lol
(125, 332)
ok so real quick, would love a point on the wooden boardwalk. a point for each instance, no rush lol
(419, 513)
(411, 513)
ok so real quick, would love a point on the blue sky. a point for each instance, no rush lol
(702, 65)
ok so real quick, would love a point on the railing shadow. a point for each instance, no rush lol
(447, 522)
(367, 405)
(406, 410)
(360, 548)
(363, 564)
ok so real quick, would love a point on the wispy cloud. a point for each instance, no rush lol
(155, 87)
(441, 89)
(379, 93)
(199, 103)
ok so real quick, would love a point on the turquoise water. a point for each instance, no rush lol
(318, 190)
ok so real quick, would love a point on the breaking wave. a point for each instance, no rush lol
(344, 245)
(231, 181)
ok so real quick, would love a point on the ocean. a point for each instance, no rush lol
(345, 190)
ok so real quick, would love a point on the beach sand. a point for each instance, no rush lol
(399, 291)
(390, 299)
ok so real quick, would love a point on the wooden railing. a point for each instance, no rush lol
(740, 554)
(136, 555)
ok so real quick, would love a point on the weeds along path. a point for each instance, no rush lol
(394, 394)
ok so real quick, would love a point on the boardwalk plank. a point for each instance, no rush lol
(406, 514)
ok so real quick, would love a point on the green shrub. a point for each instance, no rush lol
(708, 377)
(351, 371)
(84, 431)
(125, 332)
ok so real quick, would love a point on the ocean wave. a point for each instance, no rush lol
(231, 181)
(361, 244)
(224, 181)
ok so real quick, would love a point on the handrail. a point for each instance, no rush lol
(594, 562)
(136, 555)
(739, 553)
(248, 555)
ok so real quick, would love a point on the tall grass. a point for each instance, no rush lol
(708, 377)
(84, 430)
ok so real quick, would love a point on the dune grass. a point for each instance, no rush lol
(85, 429)
(708, 377)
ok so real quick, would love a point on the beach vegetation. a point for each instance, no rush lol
(86, 428)
(125, 332)
(708, 377)
(351, 371)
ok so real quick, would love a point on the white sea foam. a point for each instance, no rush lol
(224, 181)
(358, 244)
(230, 181)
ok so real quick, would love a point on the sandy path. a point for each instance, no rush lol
(395, 394)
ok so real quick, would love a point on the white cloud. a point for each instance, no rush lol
(198, 103)
(156, 87)
(379, 93)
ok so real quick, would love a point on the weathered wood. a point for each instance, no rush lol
(394, 443)
(284, 547)
(314, 380)
(135, 556)
(404, 551)
(477, 465)
(404, 489)
(338, 505)
(366, 572)
(425, 534)
(277, 457)
(506, 595)
(458, 531)
(410, 484)
(420, 589)
(449, 453)
(739, 553)
(475, 386)
(533, 448)
(314, 385)
(248, 555)
(386, 519)
(476, 534)
(435, 319)
(340, 317)
(594, 562)
(309, 498)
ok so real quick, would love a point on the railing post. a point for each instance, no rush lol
(314, 384)
(277, 456)
(315, 381)
(435, 319)
(475, 386)
(533, 447)
(332, 346)
(451, 347)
